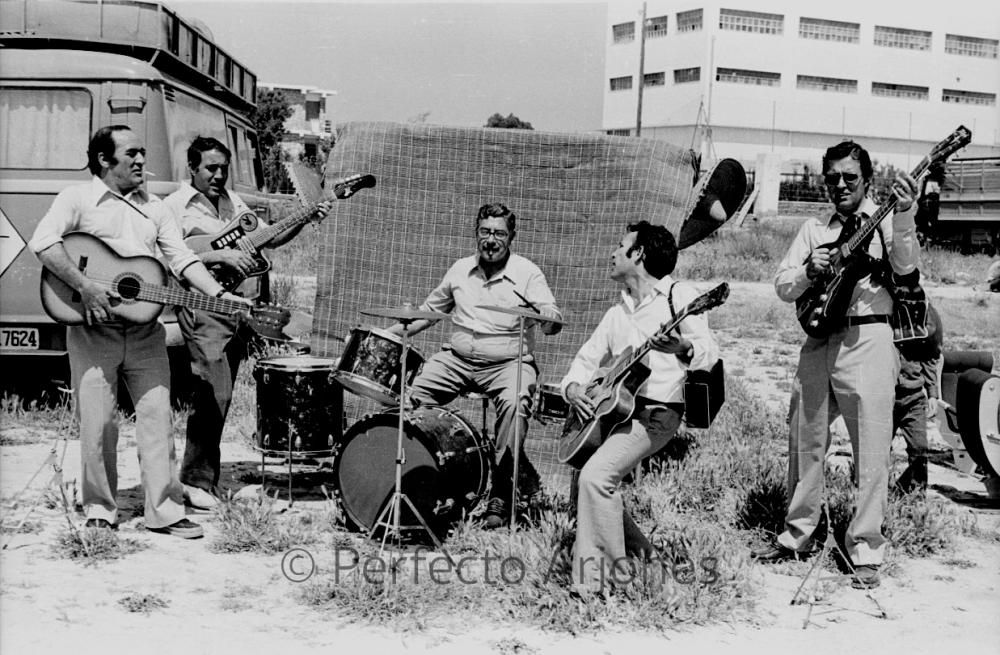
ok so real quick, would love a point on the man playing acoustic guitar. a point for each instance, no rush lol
(851, 371)
(114, 207)
(605, 534)
(217, 344)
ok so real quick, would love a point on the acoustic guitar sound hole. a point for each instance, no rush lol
(128, 287)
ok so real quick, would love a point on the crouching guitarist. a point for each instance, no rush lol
(850, 370)
(642, 263)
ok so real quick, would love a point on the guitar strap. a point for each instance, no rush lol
(909, 302)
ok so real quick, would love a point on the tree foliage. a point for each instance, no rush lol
(510, 122)
(268, 120)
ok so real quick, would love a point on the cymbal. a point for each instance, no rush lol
(404, 313)
(521, 311)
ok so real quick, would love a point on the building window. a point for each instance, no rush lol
(740, 76)
(621, 83)
(619, 132)
(654, 79)
(751, 21)
(689, 21)
(900, 91)
(897, 37)
(656, 26)
(971, 46)
(968, 97)
(829, 30)
(623, 32)
(682, 75)
(814, 83)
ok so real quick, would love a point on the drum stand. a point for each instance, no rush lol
(516, 454)
(395, 506)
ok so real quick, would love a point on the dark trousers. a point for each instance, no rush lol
(909, 417)
(216, 345)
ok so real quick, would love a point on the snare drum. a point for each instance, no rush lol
(550, 404)
(446, 470)
(371, 364)
(300, 405)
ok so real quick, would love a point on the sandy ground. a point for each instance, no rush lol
(242, 603)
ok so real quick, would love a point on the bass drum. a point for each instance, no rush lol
(977, 404)
(446, 471)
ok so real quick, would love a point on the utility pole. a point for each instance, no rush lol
(642, 68)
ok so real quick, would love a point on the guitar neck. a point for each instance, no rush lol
(627, 363)
(858, 238)
(173, 296)
(262, 237)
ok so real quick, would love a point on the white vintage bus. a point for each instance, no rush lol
(68, 67)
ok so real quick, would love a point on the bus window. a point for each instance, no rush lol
(258, 167)
(44, 128)
(243, 167)
(187, 118)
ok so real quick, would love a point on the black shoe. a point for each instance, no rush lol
(778, 553)
(184, 529)
(100, 524)
(496, 513)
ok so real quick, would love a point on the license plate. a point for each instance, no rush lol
(18, 339)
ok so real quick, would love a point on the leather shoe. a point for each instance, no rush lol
(778, 553)
(199, 498)
(100, 524)
(184, 529)
(496, 513)
(865, 577)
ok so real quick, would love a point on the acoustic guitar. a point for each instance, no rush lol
(822, 307)
(239, 228)
(141, 282)
(613, 388)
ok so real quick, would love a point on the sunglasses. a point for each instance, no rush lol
(832, 178)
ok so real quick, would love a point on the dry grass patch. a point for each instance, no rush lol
(138, 603)
(92, 545)
(256, 525)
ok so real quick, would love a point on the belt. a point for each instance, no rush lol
(852, 321)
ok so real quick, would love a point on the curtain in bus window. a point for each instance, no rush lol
(44, 128)
(187, 118)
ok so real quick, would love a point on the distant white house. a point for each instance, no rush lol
(788, 78)
(311, 120)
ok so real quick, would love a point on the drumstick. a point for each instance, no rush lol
(527, 303)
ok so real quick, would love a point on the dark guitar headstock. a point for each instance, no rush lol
(347, 186)
(955, 141)
(708, 300)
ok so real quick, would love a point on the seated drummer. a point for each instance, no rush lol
(482, 355)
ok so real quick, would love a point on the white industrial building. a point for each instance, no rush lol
(789, 78)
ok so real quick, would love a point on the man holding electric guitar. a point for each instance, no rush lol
(216, 343)
(848, 364)
(114, 208)
(645, 257)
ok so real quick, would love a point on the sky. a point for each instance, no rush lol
(447, 63)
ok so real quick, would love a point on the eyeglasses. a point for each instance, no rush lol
(833, 178)
(486, 233)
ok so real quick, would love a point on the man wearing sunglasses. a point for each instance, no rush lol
(852, 371)
(482, 354)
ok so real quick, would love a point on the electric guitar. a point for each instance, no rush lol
(141, 282)
(245, 225)
(613, 388)
(822, 307)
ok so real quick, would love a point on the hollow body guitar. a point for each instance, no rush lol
(822, 307)
(612, 388)
(141, 282)
(238, 228)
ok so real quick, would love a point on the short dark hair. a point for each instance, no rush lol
(853, 150)
(203, 144)
(496, 210)
(103, 143)
(659, 249)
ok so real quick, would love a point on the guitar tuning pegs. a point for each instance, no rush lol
(823, 297)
